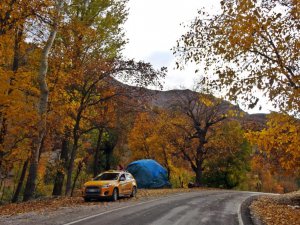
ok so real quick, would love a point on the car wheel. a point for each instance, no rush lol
(87, 199)
(115, 195)
(133, 193)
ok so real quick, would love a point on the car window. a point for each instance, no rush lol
(128, 176)
(107, 176)
(123, 175)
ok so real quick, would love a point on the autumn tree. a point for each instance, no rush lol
(150, 138)
(57, 86)
(279, 142)
(198, 115)
(92, 93)
(17, 72)
(250, 46)
(265, 176)
(180, 133)
(228, 156)
(14, 13)
(42, 104)
(89, 51)
(89, 42)
(193, 134)
(139, 137)
(104, 121)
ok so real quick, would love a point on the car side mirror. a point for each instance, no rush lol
(122, 178)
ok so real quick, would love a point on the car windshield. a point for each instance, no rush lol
(107, 176)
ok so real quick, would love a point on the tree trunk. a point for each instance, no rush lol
(2, 136)
(166, 162)
(32, 174)
(199, 171)
(58, 183)
(198, 176)
(18, 40)
(1, 185)
(180, 181)
(79, 168)
(21, 181)
(200, 159)
(97, 153)
(3, 127)
(42, 109)
(107, 152)
(73, 153)
(3, 190)
(60, 175)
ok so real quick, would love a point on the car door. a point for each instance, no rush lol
(122, 184)
(129, 185)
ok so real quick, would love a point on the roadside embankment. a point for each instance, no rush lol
(276, 209)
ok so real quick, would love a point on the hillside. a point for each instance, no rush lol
(165, 99)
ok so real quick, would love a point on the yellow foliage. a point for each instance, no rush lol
(280, 141)
(249, 45)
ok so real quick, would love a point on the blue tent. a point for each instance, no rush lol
(149, 174)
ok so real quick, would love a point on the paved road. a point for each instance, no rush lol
(207, 207)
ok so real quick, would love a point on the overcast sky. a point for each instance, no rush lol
(153, 27)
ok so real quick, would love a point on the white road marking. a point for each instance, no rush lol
(117, 209)
(142, 203)
(166, 219)
(240, 214)
(240, 205)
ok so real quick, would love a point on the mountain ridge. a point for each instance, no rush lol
(165, 98)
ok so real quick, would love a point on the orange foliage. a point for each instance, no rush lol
(280, 142)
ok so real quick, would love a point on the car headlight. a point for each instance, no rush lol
(106, 186)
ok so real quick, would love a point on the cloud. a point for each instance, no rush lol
(153, 27)
(160, 59)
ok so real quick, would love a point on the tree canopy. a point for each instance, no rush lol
(250, 46)
(280, 142)
(57, 63)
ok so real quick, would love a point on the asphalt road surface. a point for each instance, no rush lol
(206, 207)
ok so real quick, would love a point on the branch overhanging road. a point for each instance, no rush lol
(199, 207)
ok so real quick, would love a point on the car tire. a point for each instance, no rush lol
(133, 193)
(87, 199)
(115, 195)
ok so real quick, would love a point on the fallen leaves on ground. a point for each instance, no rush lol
(39, 205)
(278, 210)
(51, 204)
(159, 192)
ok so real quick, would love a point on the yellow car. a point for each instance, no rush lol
(111, 184)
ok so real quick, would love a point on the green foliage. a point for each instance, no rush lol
(181, 177)
(50, 173)
(228, 169)
(6, 193)
(109, 139)
(228, 172)
(43, 190)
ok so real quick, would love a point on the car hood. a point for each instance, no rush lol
(99, 182)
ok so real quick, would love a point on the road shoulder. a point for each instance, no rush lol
(277, 209)
(248, 218)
